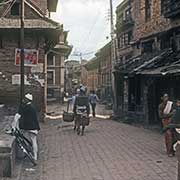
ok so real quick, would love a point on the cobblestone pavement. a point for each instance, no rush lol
(108, 151)
(57, 109)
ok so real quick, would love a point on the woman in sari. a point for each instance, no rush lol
(165, 114)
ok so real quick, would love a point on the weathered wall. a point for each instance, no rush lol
(28, 13)
(157, 23)
(105, 69)
(84, 75)
(10, 93)
(42, 4)
(92, 80)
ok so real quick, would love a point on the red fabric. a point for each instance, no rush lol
(168, 136)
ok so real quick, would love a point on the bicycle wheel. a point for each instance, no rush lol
(27, 145)
(30, 157)
(26, 150)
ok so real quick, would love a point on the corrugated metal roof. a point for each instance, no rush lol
(165, 63)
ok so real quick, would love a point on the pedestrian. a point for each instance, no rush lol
(71, 100)
(93, 99)
(176, 115)
(81, 104)
(176, 122)
(165, 114)
(80, 93)
(28, 121)
(83, 88)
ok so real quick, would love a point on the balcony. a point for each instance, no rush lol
(124, 24)
(171, 8)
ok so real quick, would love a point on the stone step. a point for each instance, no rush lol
(7, 155)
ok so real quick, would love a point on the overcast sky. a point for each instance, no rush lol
(87, 22)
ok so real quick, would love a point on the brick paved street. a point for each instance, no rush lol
(108, 151)
(57, 109)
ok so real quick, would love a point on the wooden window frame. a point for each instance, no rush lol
(147, 10)
(54, 60)
(13, 13)
(54, 76)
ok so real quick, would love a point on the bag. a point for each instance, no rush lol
(68, 117)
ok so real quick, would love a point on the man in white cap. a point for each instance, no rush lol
(28, 121)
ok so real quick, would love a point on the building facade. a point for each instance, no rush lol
(41, 35)
(153, 68)
(56, 69)
(72, 75)
(105, 72)
(124, 34)
(90, 75)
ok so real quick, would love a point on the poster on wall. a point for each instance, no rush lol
(16, 79)
(38, 68)
(30, 57)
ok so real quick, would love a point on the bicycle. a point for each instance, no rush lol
(24, 144)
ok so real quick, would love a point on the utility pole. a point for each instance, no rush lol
(113, 57)
(22, 51)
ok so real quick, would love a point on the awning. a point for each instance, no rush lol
(163, 71)
(164, 63)
(61, 49)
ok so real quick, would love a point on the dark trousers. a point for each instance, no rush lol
(93, 106)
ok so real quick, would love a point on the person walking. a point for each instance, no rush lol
(72, 99)
(165, 114)
(82, 104)
(28, 121)
(81, 93)
(176, 123)
(176, 115)
(93, 99)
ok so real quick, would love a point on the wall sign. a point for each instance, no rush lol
(37, 69)
(30, 57)
(16, 79)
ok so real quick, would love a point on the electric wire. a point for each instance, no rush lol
(89, 35)
(91, 29)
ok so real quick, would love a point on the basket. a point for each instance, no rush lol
(68, 117)
(84, 121)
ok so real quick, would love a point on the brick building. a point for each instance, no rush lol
(41, 36)
(104, 72)
(56, 68)
(72, 75)
(153, 68)
(90, 74)
(124, 33)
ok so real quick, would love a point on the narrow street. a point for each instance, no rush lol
(108, 151)
(121, 55)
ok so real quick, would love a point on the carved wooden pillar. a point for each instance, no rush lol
(126, 93)
(146, 102)
(147, 83)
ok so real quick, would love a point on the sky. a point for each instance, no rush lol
(87, 22)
